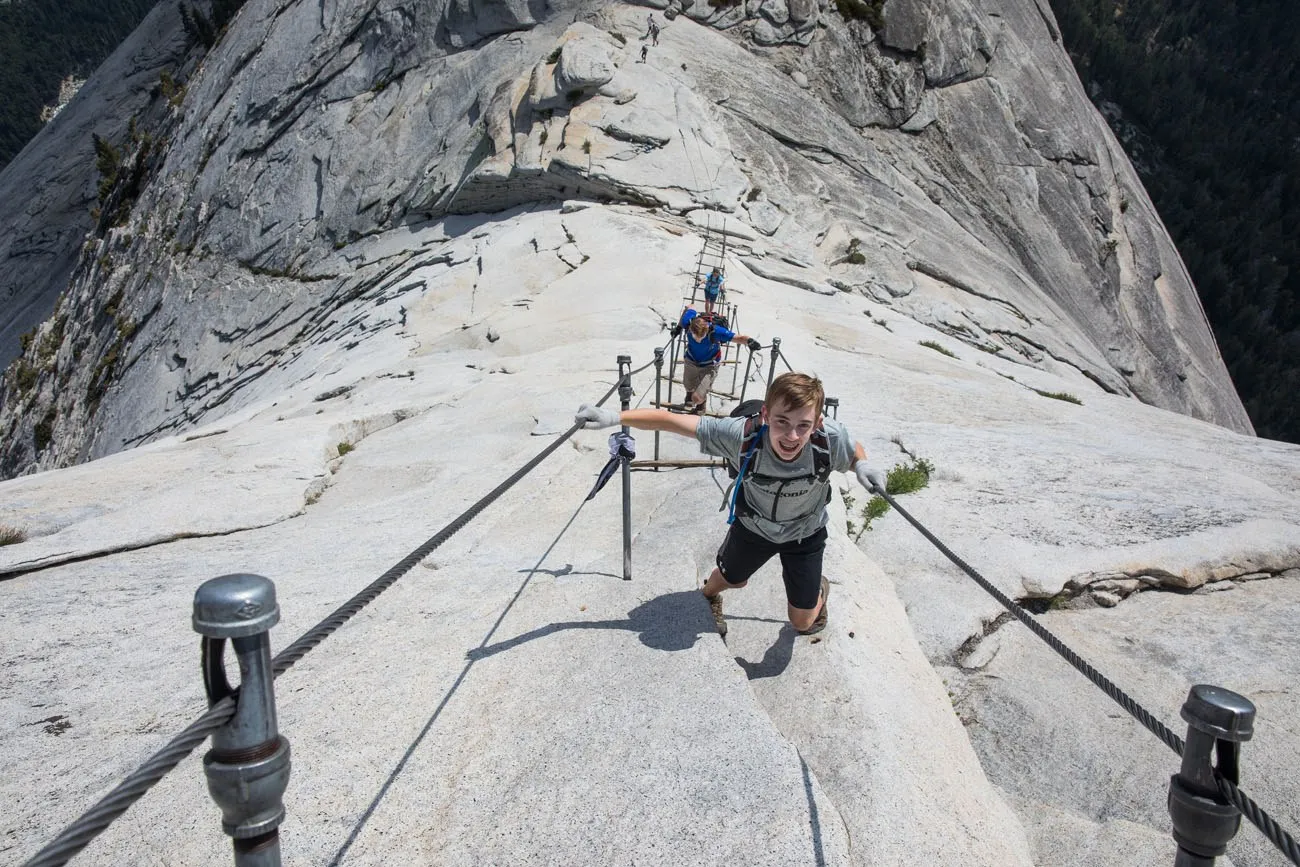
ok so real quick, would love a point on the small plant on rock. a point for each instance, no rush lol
(11, 535)
(854, 256)
(936, 347)
(902, 479)
(1060, 395)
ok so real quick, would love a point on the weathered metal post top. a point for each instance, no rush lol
(1218, 722)
(248, 766)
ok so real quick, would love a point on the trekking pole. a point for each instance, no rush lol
(1218, 722)
(776, 353)
(625, 396)
(659, 378)
(248, 765)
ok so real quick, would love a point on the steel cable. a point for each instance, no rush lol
(1252, 811)
(94, 821)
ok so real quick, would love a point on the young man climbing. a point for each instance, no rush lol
(779, 505)
(703, 354)
(712, 289)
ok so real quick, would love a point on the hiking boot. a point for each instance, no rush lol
(715, 608)
(820, 623)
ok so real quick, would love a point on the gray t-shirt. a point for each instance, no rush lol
(783, 501)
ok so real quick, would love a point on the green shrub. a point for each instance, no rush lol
(554, 56)
(344, 448)
(586, 146)
(901, 479)
(854, 255)
(26, 376)
(754, 194)
(936, 347)
(1060, 395)
(11, 535)
(910, 477)
(43, 433)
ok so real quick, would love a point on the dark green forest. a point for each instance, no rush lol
(1209, 98)
(44, 41)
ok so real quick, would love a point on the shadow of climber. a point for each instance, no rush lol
(671, 622)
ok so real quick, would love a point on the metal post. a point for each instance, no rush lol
(1218, 722)
(744, 383)
(672, 364)
(833, 407)
(248, 766)
(659, 378)
(625, 395)
(735, 369)
(776, 353)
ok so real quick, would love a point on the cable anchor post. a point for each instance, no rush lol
(734, 320)
(247, 768)
(776, 353)
(832, 407)
(625, 397)
(1218, 722)
(659, 378)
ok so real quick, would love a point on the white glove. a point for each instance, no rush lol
(595, 417)
(873, 480)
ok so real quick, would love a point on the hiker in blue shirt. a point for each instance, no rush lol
(712, 289)
(703, 353)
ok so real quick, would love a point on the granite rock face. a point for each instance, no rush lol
(954, 149)
(373, 253)
(513, 686)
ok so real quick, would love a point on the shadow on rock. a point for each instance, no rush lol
(775, 659)
(670, 622)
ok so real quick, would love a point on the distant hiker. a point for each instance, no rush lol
(712, 289)
(645, 49)
(654, 33)
(780, 498)
(703, 352)
(649, 25)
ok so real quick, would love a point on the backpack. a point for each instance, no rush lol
(753, 439)
(717, 320)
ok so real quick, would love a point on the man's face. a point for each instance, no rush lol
(789, 429)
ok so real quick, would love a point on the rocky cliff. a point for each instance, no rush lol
(940, 158)
(375, 255)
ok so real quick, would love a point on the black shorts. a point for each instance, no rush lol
(744, 552)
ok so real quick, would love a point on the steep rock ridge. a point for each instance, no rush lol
(48, 190)
(948, 164)
(553, 689)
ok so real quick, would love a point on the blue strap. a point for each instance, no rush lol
(740, 476)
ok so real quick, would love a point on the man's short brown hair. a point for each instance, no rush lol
(795, 391)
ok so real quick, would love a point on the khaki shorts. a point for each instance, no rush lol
(698, 380)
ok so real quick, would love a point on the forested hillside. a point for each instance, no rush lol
(44, 41)
(1208, 99)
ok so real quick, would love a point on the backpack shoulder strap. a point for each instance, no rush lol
(752, 437)
(821, 446)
